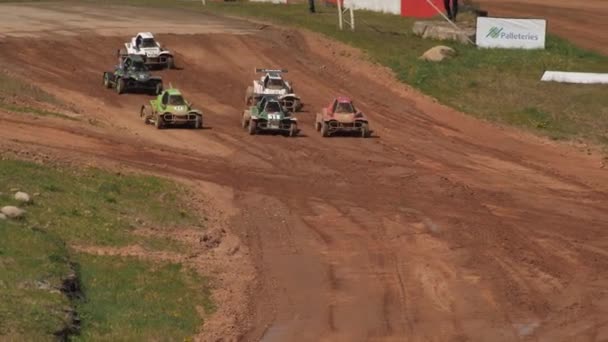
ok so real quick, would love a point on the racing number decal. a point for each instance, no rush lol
(274, 116)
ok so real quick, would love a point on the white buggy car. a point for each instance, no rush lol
(272, 83)
(154, 55)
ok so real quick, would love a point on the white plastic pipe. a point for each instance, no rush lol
(575, 77)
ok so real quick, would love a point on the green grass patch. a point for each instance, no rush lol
(104, 207)
(124, 298)
(129, 299)
(33, 265)
(498, 85)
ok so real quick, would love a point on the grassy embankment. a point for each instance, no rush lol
(15, 93)
(50, 277)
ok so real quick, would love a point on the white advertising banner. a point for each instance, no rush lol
(386, 6)
(511, 33)
(273, 1)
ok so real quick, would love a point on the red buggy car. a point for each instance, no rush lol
(342, 116)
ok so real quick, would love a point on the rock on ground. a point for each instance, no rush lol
(12, 211)
(443, 31)
(213, 238)
(438, 53)
(22, 197)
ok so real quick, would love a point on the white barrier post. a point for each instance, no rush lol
(339, 2)
(342, 11)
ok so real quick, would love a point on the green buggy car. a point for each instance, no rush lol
(171, 109)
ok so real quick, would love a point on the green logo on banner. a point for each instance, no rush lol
(494, 32)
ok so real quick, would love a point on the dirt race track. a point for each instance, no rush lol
(583, 22)
(439, 228)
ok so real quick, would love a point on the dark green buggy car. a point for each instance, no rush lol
(132, 75)
(268, 115)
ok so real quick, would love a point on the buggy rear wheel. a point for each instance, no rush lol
(296, 106)
(293, 129)
(158, 89)
(170, 63)
(249, 96)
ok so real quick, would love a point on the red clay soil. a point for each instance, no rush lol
(439, 228)
(583, 22)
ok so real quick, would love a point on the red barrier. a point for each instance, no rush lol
(420, 8)
(334, 2)
(409, 8)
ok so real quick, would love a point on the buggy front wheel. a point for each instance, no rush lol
(198, 123)
(159, 122)
(144, 115)
(365, 133)
(253, 127)
(324, 129)
(120, 86)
